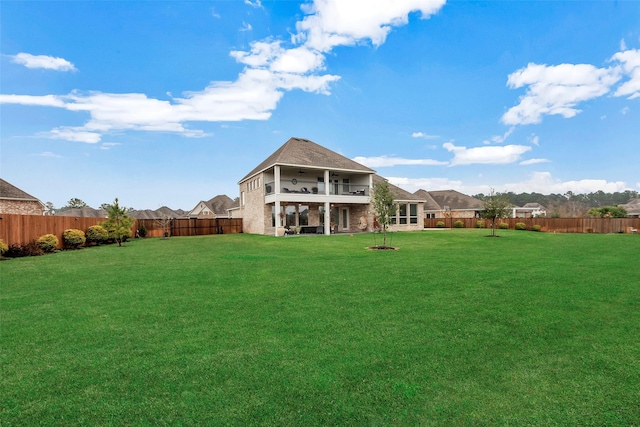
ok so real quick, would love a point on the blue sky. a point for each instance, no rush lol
(169, 103)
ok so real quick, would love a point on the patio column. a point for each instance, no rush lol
(277, 208)
(327, 216)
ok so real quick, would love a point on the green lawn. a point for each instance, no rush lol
(452, 329)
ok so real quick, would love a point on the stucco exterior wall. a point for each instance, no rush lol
(21, 207)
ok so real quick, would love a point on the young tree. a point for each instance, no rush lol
(607, 212)
(118, 223)
(75, 203)
(495, 206)
(384, 207)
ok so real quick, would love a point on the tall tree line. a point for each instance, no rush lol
(569, 204)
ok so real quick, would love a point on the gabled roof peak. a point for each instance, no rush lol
(305, 153)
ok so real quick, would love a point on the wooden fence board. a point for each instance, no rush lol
(17, 229)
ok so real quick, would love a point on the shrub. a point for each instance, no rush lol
(440, 224)
(97, 234)
(142, 231)
(503, 226)
(480, 224)
(48, 242)
(521, 226)
(537, 227)
(3, 247)
(73, 238)
(18, 250)
(458, 224)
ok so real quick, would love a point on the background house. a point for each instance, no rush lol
(632, 207)
(85, 212)
(529, 210)
(217, 207)
(449, 204)
(15, 201)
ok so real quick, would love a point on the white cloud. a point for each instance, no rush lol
(430, 184)
(630, 63)
(270, 70)
(538, 182)
(485, 155)
(386, 161)
(43, 61)
(246, 27)
(556, 90)
(73, 134)
(543, 182)
(534, 139)
(534, 161)
(623, 45)
(109, 145)
(49, 154)
(331, 23)
(214, 13)
(255, 3)
(624, 111)
(423, 135)
(499, 139)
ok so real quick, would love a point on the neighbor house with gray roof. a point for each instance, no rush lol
(16, 201)
(307, 187)
(217, 207)
(450, 204)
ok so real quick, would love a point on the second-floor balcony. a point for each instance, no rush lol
(317, 188)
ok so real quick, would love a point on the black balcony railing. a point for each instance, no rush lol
(314, 187)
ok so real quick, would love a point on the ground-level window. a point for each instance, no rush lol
(413, 213)
(402, 213)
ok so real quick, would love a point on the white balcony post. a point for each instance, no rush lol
(327, 218)
(326, 182)
(276, 179)
(277, 209)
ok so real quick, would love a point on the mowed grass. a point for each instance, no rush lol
(452, 329)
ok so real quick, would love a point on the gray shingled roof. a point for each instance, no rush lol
(454, 199)
(9, 191)
(302, 152)
(220, 204)
(86, 212)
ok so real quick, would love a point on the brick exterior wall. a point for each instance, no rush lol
(21, 207)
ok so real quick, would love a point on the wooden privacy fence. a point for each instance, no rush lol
(554, 225)
(191, 226)
(17, 229)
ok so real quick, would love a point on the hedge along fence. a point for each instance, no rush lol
(554, 225)
(20, 229)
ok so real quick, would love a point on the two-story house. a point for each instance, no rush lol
(306, 187)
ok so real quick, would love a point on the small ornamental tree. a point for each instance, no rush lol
(3, 247)
(384, 207)
(495, 207)
(119, 223)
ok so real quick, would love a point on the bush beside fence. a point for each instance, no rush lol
(553, 225)
(21, 229)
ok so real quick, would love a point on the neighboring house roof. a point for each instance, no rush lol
(532, 205)
(86, 212)
(437, 200)
(399, 195)
(302, 152)
(219, 205)
(163, 212)
(632, 207)
(11, 192)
